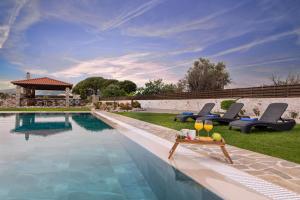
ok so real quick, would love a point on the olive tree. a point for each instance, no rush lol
(205, 75)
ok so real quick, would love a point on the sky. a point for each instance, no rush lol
(143, 40)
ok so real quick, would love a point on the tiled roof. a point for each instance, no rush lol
(41, 81)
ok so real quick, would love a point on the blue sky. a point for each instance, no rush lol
(148, 39)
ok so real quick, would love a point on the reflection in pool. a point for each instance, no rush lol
(89, 122)
(54, 123)
(41, 124)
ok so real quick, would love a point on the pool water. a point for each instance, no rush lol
(77, 156)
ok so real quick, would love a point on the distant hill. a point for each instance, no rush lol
(8, 91)
(39, 92)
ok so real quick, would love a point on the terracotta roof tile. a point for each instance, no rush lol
(41, 81)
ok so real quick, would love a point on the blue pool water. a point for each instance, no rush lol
(77, 156)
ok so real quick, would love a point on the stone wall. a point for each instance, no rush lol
(194, 105)
(9, 102)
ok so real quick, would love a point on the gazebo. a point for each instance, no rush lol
(25, 89)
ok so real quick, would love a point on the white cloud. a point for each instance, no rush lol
(163, 30)
(95, 16)
(130, 66)
(4, 84)
(277, 60)
(121, 19)
(6, 28)
(36, 71)
(15, 43)
(252, 44)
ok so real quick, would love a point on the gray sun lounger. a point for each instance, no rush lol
(206, 109)
(231, 114)
(271, 118)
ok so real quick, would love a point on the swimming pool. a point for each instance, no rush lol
(77, 156)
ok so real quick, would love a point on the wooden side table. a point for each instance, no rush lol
(203, 141)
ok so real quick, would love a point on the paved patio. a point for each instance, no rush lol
(283, 173)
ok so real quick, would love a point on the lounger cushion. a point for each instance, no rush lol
(187, 113)
(249, 119)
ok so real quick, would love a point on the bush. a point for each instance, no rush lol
(125, 106)
(109, 103)
(135, 104)
(226, 104)
(256, 111)
(242, 112)
(294, 114)
(98, 105)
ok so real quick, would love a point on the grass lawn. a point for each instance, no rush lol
(285, 145)
(46, 109)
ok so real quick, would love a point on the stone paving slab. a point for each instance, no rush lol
(278, 171)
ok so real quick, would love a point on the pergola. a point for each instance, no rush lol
(25, 89)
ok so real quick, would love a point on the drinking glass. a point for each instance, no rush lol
(192, 134)
(198, 126)
(208, 126)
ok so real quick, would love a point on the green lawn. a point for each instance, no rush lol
(285, 145)
(46, 109)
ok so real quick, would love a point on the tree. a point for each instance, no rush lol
(205, 75)
(128, 86)
(156, 87)
(291, 79)
(182, 85)
(91, 86)
(113, 90)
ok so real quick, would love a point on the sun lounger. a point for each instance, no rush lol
(271, 118)
(206, 109)
(231, 114)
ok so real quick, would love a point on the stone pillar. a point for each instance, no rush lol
(67, 97)
(95, 98)
(18, 96)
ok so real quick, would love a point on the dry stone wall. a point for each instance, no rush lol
(194, 105)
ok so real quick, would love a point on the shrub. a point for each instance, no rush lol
(109, 103)
(226, 104)
(256, 111)
(243, 111)
(96, 105)
(135, 104)
(125, 106)
(294, 114)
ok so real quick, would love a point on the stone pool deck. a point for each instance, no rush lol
(281, 172)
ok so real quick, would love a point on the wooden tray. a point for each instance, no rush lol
(202, 141)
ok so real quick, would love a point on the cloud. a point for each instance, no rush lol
(36, 71)
(4, 84)
(277, 60)
(129, 66)
(6, 28)
(121, 19)
(25, 15)
(252, 44)
(94, 16)
(203, 23)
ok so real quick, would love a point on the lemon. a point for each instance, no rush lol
(217, 137)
